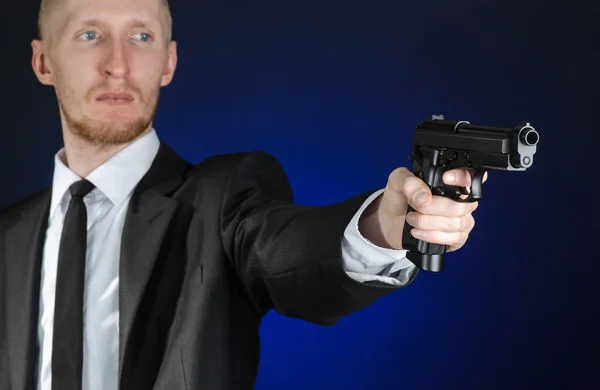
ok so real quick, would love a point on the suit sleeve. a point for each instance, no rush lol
(288, 257)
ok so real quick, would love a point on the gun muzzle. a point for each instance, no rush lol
(529, 136)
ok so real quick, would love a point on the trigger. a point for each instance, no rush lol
(477, 184)
(474, 195)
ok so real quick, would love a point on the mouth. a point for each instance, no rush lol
(115, 98)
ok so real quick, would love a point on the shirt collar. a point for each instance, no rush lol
(116, 178)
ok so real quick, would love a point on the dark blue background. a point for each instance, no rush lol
(334, 90)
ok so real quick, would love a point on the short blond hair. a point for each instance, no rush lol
(47, 6)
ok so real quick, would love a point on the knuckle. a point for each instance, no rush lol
(460, 209)
(471, 224)
(414, 183)
(402, 171)
(458, 240)
(466, 223)
(394, 184)
(455, 224)
(397, 174)
(397, 179)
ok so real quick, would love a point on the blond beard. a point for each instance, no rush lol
(115, 132)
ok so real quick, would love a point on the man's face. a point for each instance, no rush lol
(107, 60)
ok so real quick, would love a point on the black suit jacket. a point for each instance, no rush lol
(207, 251)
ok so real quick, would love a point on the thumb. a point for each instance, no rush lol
(404, 188)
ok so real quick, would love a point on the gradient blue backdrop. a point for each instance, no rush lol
(334, 90)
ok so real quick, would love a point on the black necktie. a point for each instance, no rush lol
(67, 340)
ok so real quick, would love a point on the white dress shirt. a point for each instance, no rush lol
(106, 206)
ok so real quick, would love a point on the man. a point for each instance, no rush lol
(137, 270)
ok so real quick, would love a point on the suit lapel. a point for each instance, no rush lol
(24, 245)
(150, 212)
(148, 217)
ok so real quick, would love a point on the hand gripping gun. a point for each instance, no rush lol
(440, 145)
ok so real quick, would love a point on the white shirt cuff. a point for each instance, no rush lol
(365, 261)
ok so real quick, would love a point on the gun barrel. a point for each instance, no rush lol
(496, 147)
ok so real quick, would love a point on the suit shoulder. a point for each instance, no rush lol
(235, 158)
(236, 173)
(16, 208)
(225, 164)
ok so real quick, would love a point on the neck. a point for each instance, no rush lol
(83, 156)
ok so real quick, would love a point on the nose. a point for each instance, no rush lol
(116, 64)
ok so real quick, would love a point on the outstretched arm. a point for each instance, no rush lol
(289, 257)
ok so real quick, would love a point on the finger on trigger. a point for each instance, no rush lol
(458, 177)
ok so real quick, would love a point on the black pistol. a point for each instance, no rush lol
(440, 145)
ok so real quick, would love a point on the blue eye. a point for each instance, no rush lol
(89, 35)
(145, 37)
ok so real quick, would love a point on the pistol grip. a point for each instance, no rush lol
(423, 254)
(431, 263)
(430, 165)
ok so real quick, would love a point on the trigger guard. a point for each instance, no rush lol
(476, 189)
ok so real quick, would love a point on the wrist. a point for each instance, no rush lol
(369, 224)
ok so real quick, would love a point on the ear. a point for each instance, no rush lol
(169, 71)
(39, 62)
